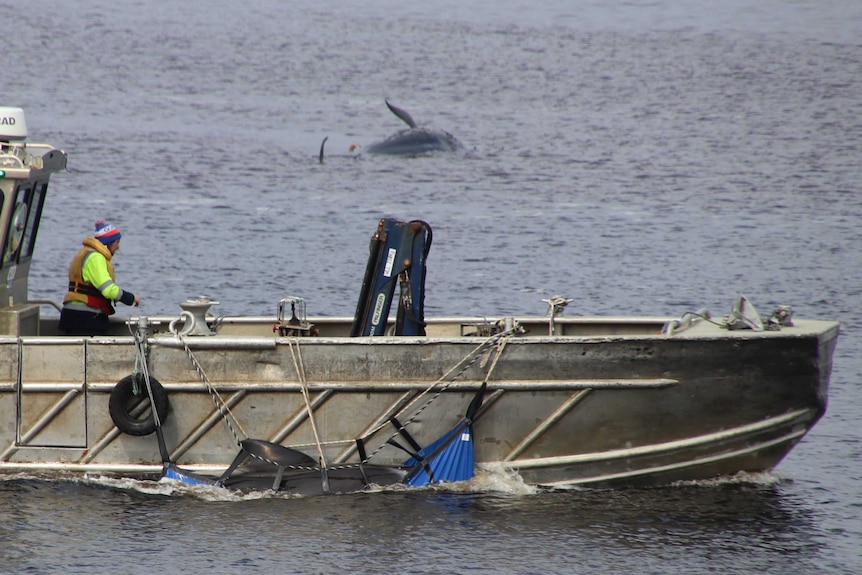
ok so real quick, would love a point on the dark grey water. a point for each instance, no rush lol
(640, 157)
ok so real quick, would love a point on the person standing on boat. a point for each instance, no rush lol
(92, 288)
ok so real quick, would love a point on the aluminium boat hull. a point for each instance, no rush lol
(606, 401)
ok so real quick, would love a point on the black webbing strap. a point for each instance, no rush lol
(413, 444)
(84, 289)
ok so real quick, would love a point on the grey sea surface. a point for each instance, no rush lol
(639, 157)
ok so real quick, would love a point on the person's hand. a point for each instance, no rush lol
(137, 301)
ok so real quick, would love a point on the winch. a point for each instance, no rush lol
(193, 317)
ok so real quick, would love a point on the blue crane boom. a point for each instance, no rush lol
(397, 255)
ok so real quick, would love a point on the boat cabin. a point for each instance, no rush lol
(25, 169)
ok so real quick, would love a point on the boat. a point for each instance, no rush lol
(305, 404)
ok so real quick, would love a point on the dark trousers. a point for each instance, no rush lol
(83, 322)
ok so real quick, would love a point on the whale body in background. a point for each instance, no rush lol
(414, 140)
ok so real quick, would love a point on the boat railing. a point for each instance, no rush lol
(49, 302)
(17, 155)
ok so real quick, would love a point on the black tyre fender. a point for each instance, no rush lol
(123, 400)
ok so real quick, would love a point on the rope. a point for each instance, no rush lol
(141, 362)
(556, 305)
(300, 373)
(501, 345)
(141, 352)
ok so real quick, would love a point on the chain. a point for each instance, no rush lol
(220, 404)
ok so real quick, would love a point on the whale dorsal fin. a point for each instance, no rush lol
(401, 114)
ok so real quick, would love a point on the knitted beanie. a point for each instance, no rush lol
(106, 233)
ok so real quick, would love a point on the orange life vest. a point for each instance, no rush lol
(82, 290)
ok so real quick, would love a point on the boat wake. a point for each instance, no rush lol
(495, 479)
(491, 479)
(761, 478)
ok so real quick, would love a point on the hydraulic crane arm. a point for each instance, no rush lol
(396, 256)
